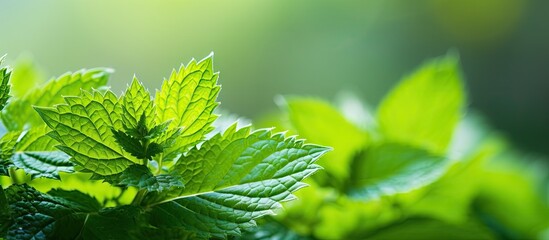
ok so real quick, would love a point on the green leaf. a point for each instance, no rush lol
(137, 104)
(319, 122)
(426, 229)
(20, 111)
(35, 153)
(388, 169)
(425, 107)
(113, 223)
(5, 216)
(5, 74)
(43, 164)
(78, 201)
(512, 197)
(26, 77)
(234, 178)
(83, 128)
(141, 177)
(7, 148)
(272, 230)
(131, 145)
(188, 99)
(40, 216)
(451, 197)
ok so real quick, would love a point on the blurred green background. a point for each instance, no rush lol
(309, 47)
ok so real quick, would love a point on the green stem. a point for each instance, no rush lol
(13, 176)
(139, 197)
(145, 143)
(159, 170)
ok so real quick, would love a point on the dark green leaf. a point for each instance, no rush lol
(158, 130)
(5, 216)
(40, 216)
(130, 144)
(141, 177)
(114, 223)
(43, 163)
(79, 201)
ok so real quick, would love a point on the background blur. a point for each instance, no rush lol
(308, 47)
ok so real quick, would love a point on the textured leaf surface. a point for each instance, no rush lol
(35, 153)
(7, 148)
(19, 112)
(35, 215)
(141, 177)
(113, 223)
(83, 127)
(319, 122)
(234, 178)
(43, 164)
(5, 75)
(5, 216)
(188, 98)
(389, 169)
(137, 103)
(425, 107)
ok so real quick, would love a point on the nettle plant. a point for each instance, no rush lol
(127, 166)
(419, 167)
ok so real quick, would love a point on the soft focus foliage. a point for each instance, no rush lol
(420, 168)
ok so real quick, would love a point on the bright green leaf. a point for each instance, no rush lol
(425, 107)
(426, 229)
(26, 77)
(188, 99)
(510, 198)
(5, 74)
(19, 112)
(7, 149)
(388, 169)
(319, 122)
(234, 178)
(83, 128)
(137, 104)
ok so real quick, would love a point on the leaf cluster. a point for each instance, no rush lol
(134, 166)
(420, 167)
